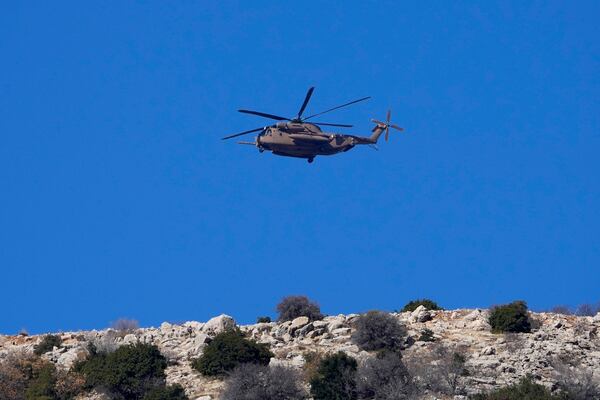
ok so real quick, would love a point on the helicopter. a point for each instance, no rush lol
(294, 137)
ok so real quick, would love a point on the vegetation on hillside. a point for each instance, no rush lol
(228, 350)
(513, 317)
(428, 304)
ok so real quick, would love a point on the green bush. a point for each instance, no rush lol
(335, 378)
(292, 307)
(377, 330)
(228, 350)
(261, 320)
(426, 336)
(428, 304)
(524, 390)
(130, 371)
(42, 385)
(47, 344)
(172, 392)
(511, 317)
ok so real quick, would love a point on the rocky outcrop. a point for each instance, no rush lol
(492, 359)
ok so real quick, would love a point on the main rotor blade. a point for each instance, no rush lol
(326, 124)
(243, 133)
(261, 114)
(306, 99)
(335, 108)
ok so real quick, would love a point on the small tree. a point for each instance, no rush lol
(47, 344)
(253, 381)
(228, 350)
(130, 371)
(377, 330)
(125, 325)
(586, 310)
(384, 377)
(335, 379)
(511, 317)
(428, 304)
(262, 320)
(564, 310)
(292, 307)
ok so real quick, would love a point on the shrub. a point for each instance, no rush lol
(12, 380)
(125, 325)
(292, 307)
(261, 320)
(440, 370)
(335, 379)
(41, 387)
(586, 310)
(312, 361)
(172, 392)
(47, 344)
(130, 371)
(577, 382)
(18, 370)
(525, 389)
(377, 330)
(428, 304)
(384, 377)
(564, 310)
(228, 350)
(511, 317)
(69, 384)
(253, 381)
(426, 336)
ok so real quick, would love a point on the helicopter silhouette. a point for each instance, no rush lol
(294, 137)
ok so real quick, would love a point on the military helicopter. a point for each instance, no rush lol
(294, 137)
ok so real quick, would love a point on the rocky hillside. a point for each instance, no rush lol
(492, 360)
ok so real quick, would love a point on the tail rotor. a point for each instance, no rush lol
(387, 125)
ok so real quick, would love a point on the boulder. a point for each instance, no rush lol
(421, 314)
(298, 323)
(218, 324)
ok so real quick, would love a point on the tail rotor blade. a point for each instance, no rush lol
(389, 116)
(396, 127)
(387, 132)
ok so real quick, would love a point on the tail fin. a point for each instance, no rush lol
(377, 131)
(383, 126)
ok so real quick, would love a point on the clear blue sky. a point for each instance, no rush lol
(119, 200)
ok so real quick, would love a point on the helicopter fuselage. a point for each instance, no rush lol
(302, 140)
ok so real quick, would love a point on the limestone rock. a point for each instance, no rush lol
(298, 323)
(218, 324)
(421, 314)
